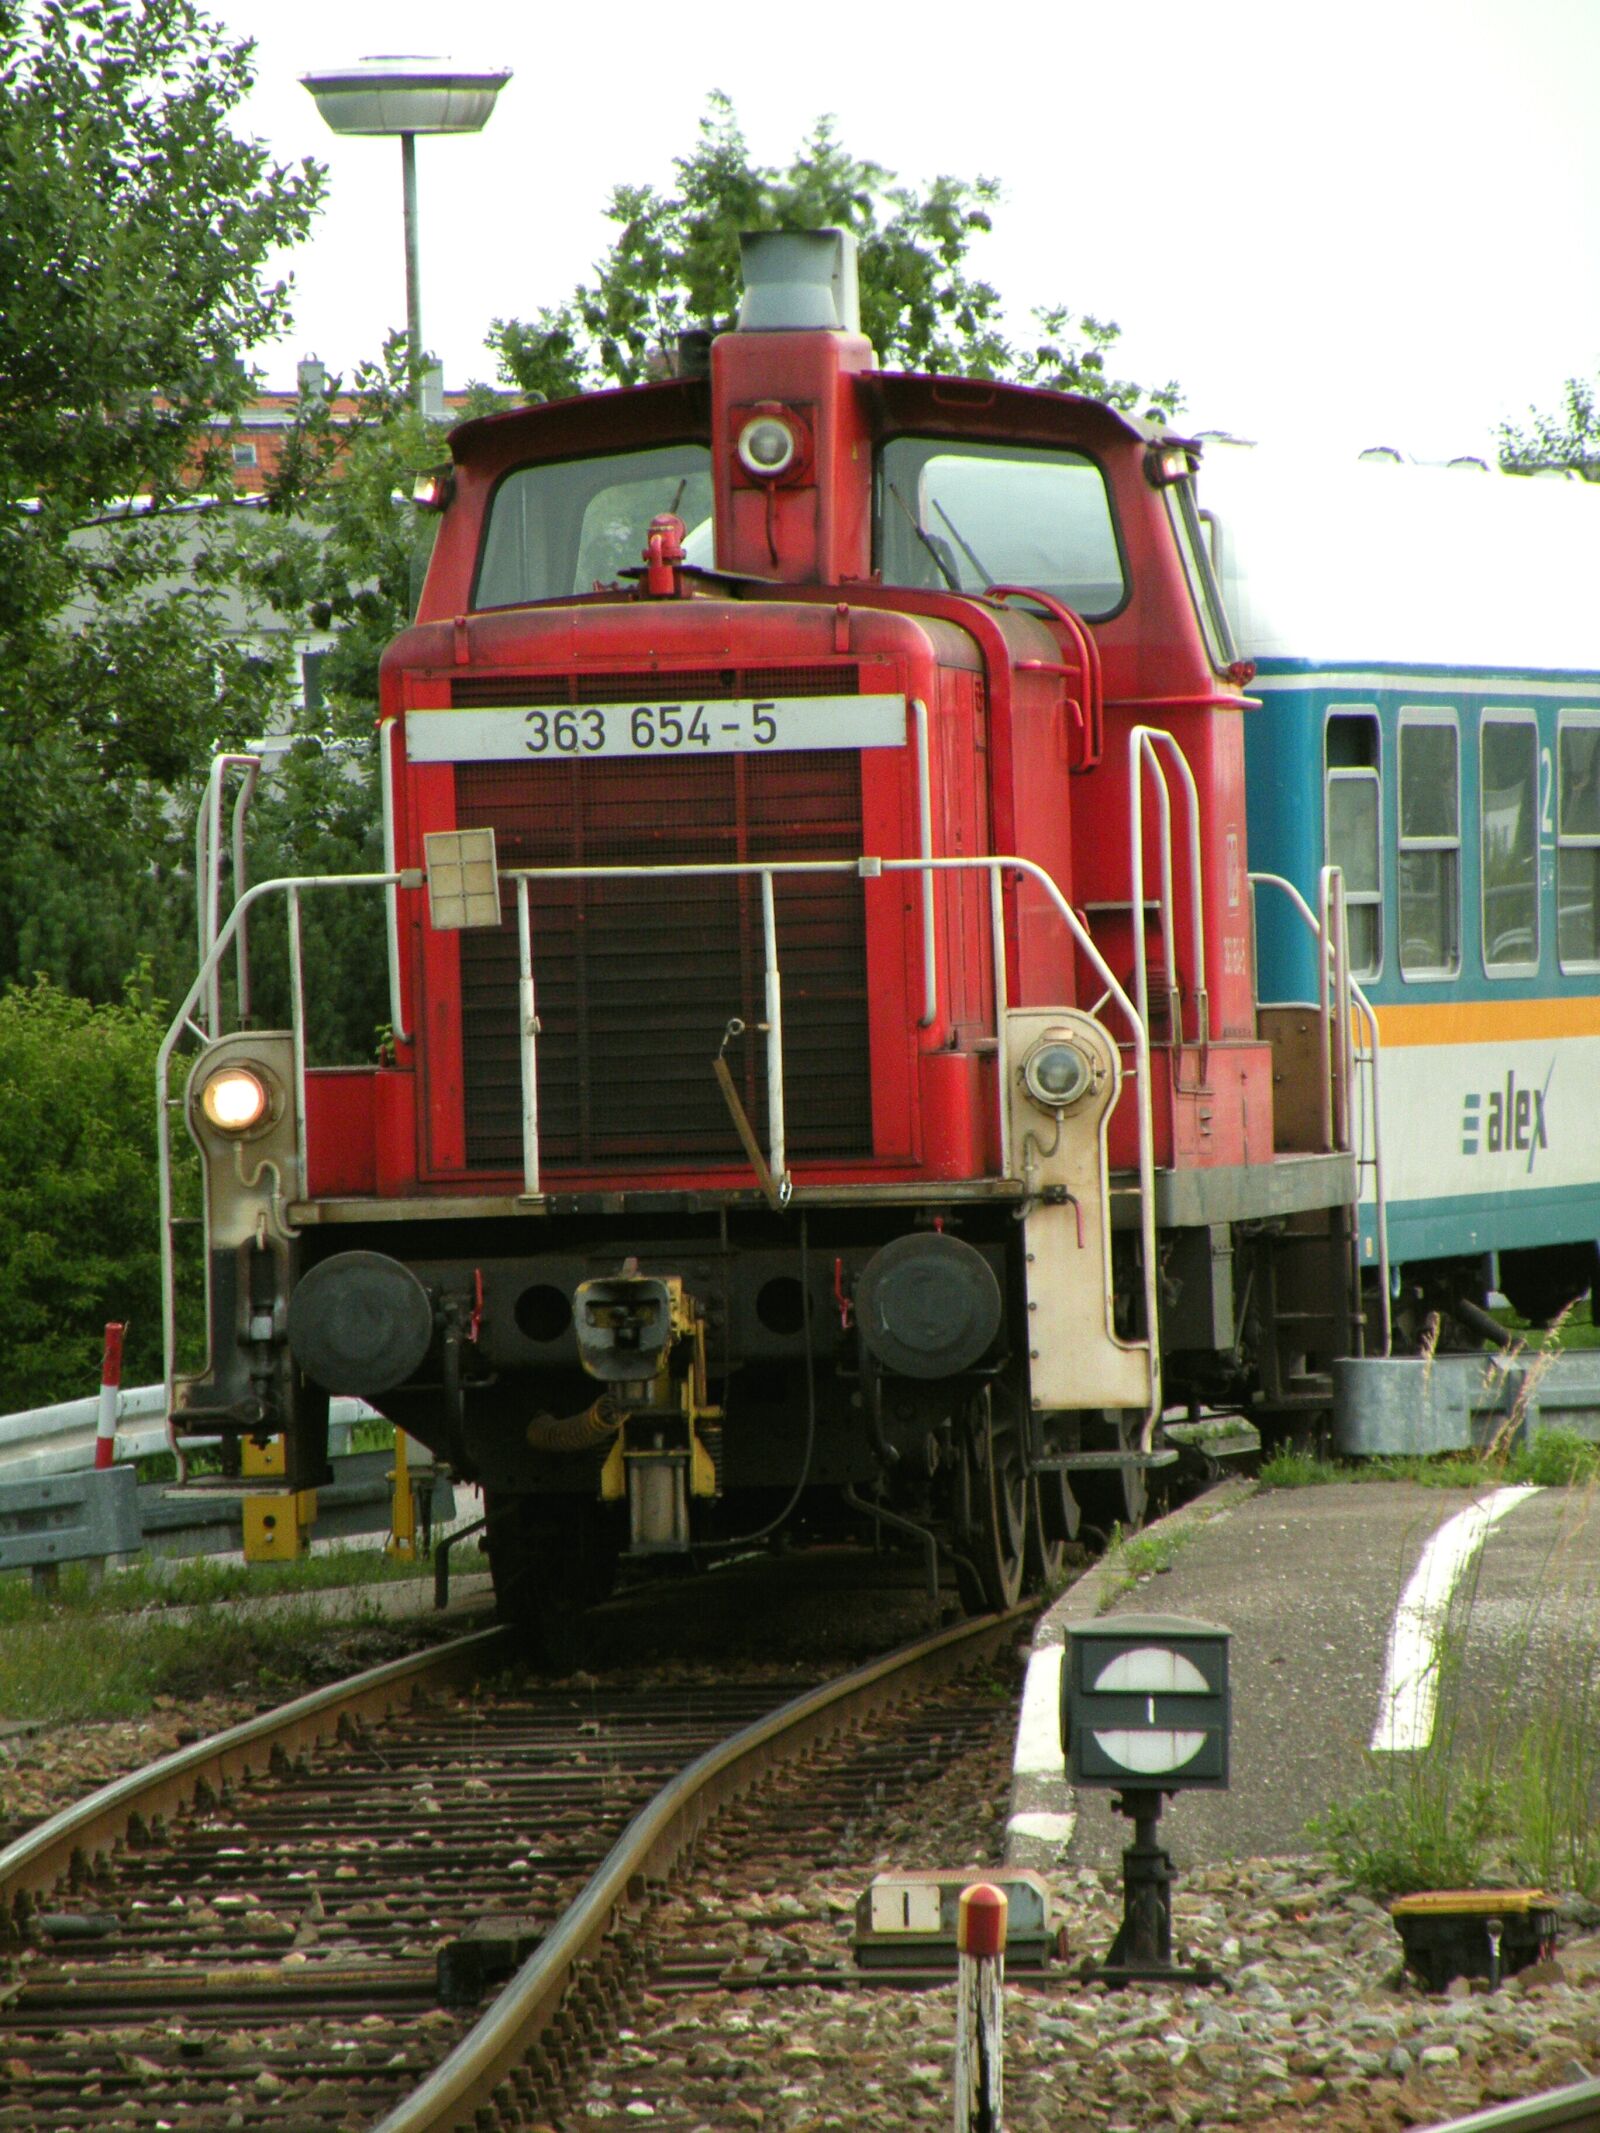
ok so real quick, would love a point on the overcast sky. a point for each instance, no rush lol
(1371, 223)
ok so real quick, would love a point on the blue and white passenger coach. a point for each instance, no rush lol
(1427, 642)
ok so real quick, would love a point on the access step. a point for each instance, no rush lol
(1100, 1462)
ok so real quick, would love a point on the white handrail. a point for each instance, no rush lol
(1334, 967)
(208, 874)
(996, 866)
(183, 1020)
(391, 896)
(528, 1010)
(930, 966)
(1143, 744)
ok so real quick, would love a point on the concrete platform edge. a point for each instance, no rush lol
(1043, 1813)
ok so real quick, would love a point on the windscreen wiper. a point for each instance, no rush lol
(938, 549)
(985, 577)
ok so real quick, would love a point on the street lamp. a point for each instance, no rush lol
(400, 93)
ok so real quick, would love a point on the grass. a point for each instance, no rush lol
(87, 1652)
(1578, 1329)
(1556, 1459)
(1508, 1788)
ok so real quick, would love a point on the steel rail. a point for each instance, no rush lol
(511, 2028)
(1575, 2109)
(92, 1825)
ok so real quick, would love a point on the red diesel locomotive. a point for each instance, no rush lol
(826, 1085)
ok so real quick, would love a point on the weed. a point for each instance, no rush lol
(1132, 1557)
(1556, 1459)
(1437, 1470)
(1288, 1469)
(1394, 1838)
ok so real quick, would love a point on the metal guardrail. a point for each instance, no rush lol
(56, 1508)
(37, 1442)
(100, 1515)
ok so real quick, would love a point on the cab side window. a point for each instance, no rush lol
(1578, 841)
(1508, 833)
(1430, 844)
(1351, 827)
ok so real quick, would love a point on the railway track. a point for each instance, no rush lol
(318, 1918)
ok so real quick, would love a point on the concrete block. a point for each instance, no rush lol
(1384, 1405)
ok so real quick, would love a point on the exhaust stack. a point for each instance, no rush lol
(796, 281)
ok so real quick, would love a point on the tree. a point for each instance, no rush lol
(133, 237)
(135, 227)
(1569, 438)
(78, 1209)
(134, 230)
(674, 265)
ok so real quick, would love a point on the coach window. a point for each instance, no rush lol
(1578, 842)
(1430, 844)
(1508, 832)
(1351, 830)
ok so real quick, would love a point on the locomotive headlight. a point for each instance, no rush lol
(235, 1100)
(767, 447)
(1056, 1073)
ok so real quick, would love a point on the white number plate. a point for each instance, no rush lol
(739, 725)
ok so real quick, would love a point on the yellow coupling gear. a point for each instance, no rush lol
(576, 1433)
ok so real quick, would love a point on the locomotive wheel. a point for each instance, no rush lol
(552, 1559)
(1113, 1496)
(996, 1543)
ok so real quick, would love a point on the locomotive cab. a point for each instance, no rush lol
(826, 1085)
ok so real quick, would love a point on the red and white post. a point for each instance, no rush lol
(980, 1988)
(105, 1436)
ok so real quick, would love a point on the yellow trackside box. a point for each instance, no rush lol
(278, 1527)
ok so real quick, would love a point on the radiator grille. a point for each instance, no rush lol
(636, 981)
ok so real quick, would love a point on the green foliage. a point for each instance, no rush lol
(1569, 437)
(1555, 1459)
(1408, 1832)
(135, 234)
(674, 265)
(78, 1209)
(342, 547)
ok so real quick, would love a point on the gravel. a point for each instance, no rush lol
(1315, 2018)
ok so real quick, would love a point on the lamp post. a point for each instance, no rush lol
(397, 93)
